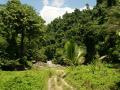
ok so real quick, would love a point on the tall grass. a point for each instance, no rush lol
(24, 80)
(93, 77)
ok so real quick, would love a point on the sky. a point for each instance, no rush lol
(51, 9)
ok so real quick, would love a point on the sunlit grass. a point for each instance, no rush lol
(24, 80)
(93, 77)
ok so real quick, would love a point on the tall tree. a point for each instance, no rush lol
(99, 2)
(21, 23)
(111, 3)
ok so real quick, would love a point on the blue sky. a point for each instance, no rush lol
(37, 4)
(55, 8)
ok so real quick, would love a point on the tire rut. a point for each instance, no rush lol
(57, 82)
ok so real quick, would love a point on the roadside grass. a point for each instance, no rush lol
(93, 77)
(35, 79)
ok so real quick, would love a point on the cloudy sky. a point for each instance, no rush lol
(51, 9)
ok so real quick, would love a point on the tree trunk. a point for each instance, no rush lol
(22, 51)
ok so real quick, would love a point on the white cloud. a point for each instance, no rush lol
(57, 3)
(45, 2)
(49, 13)
(83, 8)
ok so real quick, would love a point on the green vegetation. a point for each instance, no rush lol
(24, 80)
(20, 28)
(95, 29)
(24, 37)
(93, 77)
(83, 40)
(73, 54)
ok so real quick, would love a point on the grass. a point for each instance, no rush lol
(93, 77)
(89, 77)
(24, 80)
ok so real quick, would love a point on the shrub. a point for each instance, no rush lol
(12, 65)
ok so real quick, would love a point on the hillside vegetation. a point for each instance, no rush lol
(86, 43)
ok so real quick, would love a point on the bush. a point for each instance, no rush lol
(12, 65)
(41, 56)
(50, 52)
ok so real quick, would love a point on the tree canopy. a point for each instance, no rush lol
(21, 25)
(24, 37)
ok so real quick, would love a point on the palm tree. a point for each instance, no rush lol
(73, 53)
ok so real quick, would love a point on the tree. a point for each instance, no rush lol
(89, 28)
(99, 2)
(21, 24)
(111, 3)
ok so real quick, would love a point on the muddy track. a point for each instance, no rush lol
(57, 82)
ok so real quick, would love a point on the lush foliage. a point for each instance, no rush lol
(96, 29)
(94, 77)
(73, 54)
(24, 37)
(24, 80)
(88, 37)
(20, 30)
